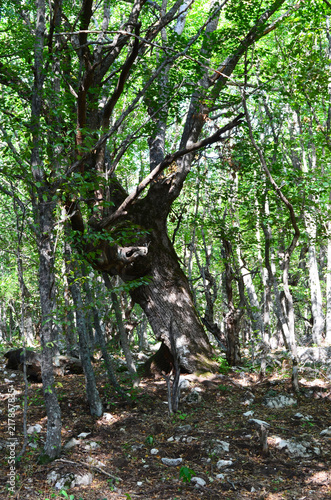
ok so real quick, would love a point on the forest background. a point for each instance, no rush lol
(164, 176)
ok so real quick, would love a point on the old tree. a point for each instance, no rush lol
(106, 105)
(105, 80)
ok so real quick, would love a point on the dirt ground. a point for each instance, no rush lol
(126, 435)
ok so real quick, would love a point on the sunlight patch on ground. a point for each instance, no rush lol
(321, 477)
(317, 382)
(274, 496)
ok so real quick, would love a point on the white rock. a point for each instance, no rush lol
(83, 434)
(194, 396)
(136, 447)
(63, 482)
(307, 418)
(34, 428)
(249, 413)
(198, 481)
(224, 463)
(52, 477)
(95, 462)
(183, 383)
(295, 449)
(84, 480)
(220, 476)
(170, 439)
(247, 402)
(154, 451)
(258, 422)
(140, 483)
(220, 447)
(280, 401)
(326, 432)
(92, 446)
(183, 429)
(171, 462)
(13, 375)
(70, 444)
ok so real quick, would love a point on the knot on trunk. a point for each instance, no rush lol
(125, 262)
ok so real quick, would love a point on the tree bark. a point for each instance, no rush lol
(124, 338)
(234, 314)
(92, 393)
(328, 292)
(167, 297)
(316, 297)
(52, 446)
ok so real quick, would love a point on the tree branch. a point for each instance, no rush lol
(169, 159)
(276, 188)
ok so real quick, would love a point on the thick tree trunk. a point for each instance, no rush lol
(167, 297)
(164, 292)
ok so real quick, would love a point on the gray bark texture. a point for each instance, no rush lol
(44, 219)
(52, 446)
(92, 393)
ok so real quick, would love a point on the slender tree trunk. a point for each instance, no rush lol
(92, 393)
(69, 327)
(328, 295)
(101, 339)
(3, 322)
(44, 207)
(288, 327)
(256, 317)
(106, 356)
(210, 291)
(52, 446)
(310, 223)
(124, 337)
(316, 297)
(234, 314)
(328, 276)
(142, 334)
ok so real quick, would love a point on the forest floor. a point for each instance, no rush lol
(127, 434)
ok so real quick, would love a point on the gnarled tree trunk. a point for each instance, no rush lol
(164, 293)
(168, 297)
